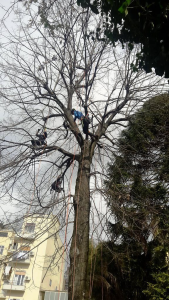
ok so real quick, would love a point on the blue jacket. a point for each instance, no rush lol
(78, 115)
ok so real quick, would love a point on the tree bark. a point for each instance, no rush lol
(80, 239)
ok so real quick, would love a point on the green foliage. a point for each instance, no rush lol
(139, 173)
(137, 193)
(133, 22)
(140, 22)
(123, 9)
(160, 288)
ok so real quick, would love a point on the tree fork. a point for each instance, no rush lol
(80, 239)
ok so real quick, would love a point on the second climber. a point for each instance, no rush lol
(41, 138)
(85, 122)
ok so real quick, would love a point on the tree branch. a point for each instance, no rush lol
(53, 148)
(52, 116)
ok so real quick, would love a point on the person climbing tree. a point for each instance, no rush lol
(77, 114)
(85, 126)
(85, 122)
(42, 137)
(56, 185)
(66, 126)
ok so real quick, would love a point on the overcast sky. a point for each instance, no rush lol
(4, 6)
(7, 16)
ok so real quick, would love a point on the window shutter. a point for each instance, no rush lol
(20, 273)
(25, 248)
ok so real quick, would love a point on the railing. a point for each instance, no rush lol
(14, 285)
(21, 256)
(14, 282)
(25, 235)
(12, 248)
(28, 235)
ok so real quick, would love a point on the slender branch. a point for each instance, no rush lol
(119, 120)
(53, 148)
(53, 116)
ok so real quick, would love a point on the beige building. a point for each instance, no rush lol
(31, 262)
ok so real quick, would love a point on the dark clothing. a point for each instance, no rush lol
(56, 185)
(85, 125)
(86, 119)
(38, 143)
(42, 137)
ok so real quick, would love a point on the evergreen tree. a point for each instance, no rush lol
(137, 192)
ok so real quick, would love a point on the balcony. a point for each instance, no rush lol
(13, 286)
(26, 236)
(21, 257)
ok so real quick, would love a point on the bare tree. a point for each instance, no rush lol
(45, 72)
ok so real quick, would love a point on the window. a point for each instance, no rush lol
(19, 278)
(1, 249)
(29, 227)
(15, 246)
(50, 282)
(3, 233)
(8, 271)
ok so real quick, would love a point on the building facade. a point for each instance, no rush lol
(32, 261)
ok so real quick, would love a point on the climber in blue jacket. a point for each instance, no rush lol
(77, 114)
(85, 123)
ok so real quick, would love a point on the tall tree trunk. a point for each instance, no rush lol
(80, 240)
